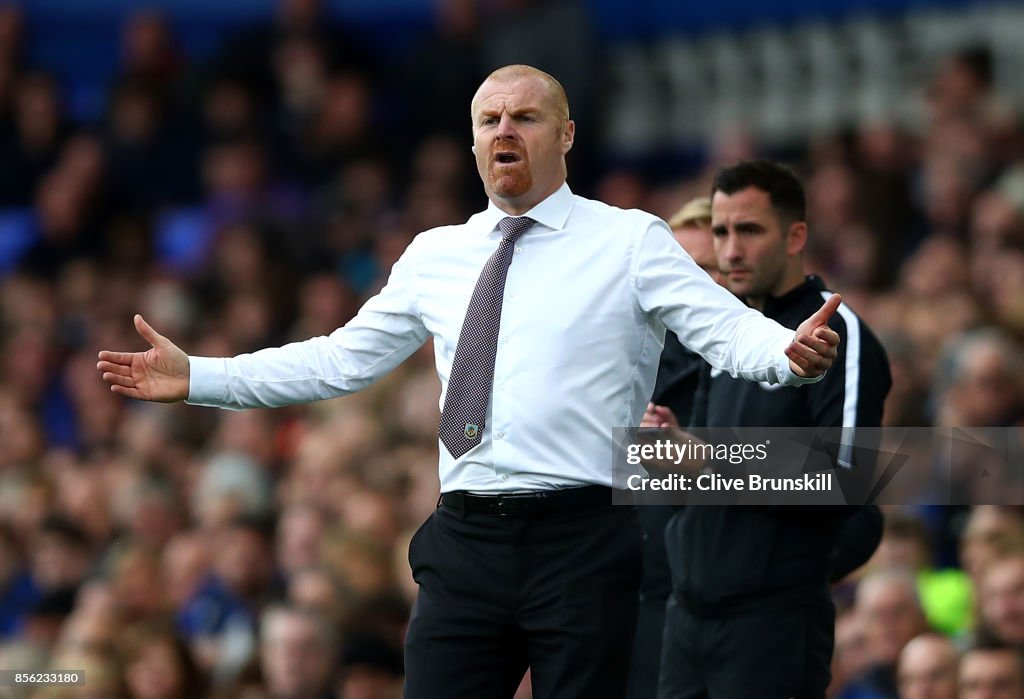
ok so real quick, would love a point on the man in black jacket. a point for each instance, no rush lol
(750, 615)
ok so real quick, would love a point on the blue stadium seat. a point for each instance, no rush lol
(184, 238)
(18, 232)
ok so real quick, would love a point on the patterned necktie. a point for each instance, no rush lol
(469, 387)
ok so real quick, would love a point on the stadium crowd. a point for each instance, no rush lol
(259, 197)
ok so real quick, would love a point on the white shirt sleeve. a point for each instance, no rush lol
(387, 329)
(708, 319)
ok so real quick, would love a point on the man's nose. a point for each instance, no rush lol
(730, 248)
(505, 127)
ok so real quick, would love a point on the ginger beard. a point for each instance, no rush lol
(508, 171)
(520, 139)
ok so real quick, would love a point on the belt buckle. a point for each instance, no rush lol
(500, 505)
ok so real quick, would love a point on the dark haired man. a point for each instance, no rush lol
(750, 613)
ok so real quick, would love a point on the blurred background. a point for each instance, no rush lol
(245, 173)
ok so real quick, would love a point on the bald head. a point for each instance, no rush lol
(928, 668)
(509, 74)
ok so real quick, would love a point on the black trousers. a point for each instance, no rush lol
(556, 593)
(654, 591)
(769, 653)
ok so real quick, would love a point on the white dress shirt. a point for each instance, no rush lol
(589, 293)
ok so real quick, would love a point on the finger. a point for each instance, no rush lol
(807, 353)
(147, 332)
(808, 358)
(820, 346)
(666, 416)
(827, 334)
(827, 310)
(115, 357)
(125, 391)
(109, 367)
(119, 380)
(800, 366)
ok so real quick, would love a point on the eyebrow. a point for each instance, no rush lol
(519, 111)
(742, 226)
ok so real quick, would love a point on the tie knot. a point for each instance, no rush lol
(512, 227)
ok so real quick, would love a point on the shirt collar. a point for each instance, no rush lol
(552, 213)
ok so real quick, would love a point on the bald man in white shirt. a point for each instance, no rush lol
(525, 563)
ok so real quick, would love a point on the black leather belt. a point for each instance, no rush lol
(525, 504)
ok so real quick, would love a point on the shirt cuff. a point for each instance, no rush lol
(785, 372)
(207, 381)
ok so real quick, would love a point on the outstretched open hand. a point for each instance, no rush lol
(159, 374)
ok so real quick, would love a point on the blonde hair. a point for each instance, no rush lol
(516, 71)
(694, 211)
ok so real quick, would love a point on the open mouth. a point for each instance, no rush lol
(507, 157)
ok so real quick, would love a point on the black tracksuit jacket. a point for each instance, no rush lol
(731, 559)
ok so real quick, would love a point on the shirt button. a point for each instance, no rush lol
(518, 249)
(504, 476)
(500, 435)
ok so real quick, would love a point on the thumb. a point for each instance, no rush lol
(147, 332)
(827, 310)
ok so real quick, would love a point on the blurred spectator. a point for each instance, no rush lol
(66, 231)
(980, 380)
(140, 171)
(300, 533)
(962, 89)
(250, 52)
(17, 591)
(444, 68)
(148, 53)
(890, 611)
(315, 589)
(989, 529)
(991, 672)
(340, 127)
(157, 665)
(1001, 598)
(232, 485)
(136, 583)
(12, 35)
(946, 595)
(229, 111)
(296, 654)
(219, 618)
(32, 146)
(326, 303)
(61, 556)
(186, 561)
(850, 657)
(370, 668)
(928, 668)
